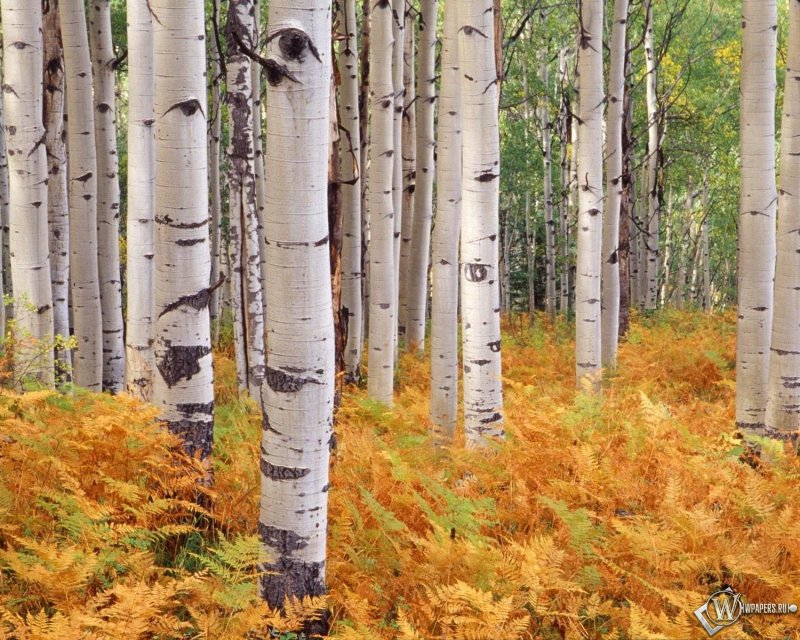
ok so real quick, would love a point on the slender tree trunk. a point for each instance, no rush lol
(141, 202)
(644, 256)
(349, 151)
(249, 316)
(614, 186)
(652, 241)
(299, 387)
(82, 159)
(423, 201)
(706, 258)
(666, 265)
(402, 33)
(590, 196)
(757, 208)
(335, 224)
(103, 60)
(382, 300)
(5, 265)
(215, 188)
(183, 388)
(549, 222)
(530, 237)
(57, 212)
(30, 264)
(446, 232)
(783, 404)
(564, 135)
(409, 167)
(258, 161)
(573, 196)
(628, 238)
(483, 390)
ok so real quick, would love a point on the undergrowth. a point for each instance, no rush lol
(612, 520)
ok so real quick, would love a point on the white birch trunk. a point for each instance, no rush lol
(351, 177)
(783, 403)
(141, 202)
(183, 388)
(57, 211)
(84, 279)
(444, 259)
(549, 221)
(215, 189)
(5, 270)
(480, 295)
(298, 390)
(246, 261)
(409, 153)
(258, 155)
(653, 205)
(757, 208)
(565, 204)
(27, 164)
(402, 30)
(103, 59)
(423, 192)
(382, 299)
(633, 223)
(590, 197)
(614, 164)
(530, 235)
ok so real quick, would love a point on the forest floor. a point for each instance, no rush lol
(613, 520)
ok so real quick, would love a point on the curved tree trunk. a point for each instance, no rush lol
(57, 211)
(444, 260)
(423, 191)
(183, 388)
(783, 404)
(382, 309)
(409, 167)
(141, 182)
(590, 197)
(85, 285)
(757, 207)
(27, 164)
(480, 295)
(246, 261)
(350, 153)
(103, 59)
(614, 166)
(298, 390)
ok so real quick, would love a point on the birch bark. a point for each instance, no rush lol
(480, 295)
(27, 164)
(298, 390)
(757, 208)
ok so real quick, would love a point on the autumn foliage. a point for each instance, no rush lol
(612, 520)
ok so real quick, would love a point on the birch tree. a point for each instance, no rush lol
(757, 208)
(57, 211)
(590, 196)
(5, 273)
(382, 300)
(298, 391)
(183, 388)
(246, 261)
(652, 241)
(423, 191)
(549, 222)
(82, 200)
(349, 151)
(614, 165)
(480, 295)
(402, 30)
(408, 148)
(215, 186)
(27, 164)
(444, 258)
(103, 60)
(141, 182)
(783, 403)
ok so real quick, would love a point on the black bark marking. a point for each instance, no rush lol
(475, 272)
(180, 362)
(494, 346)
(282, 382)
(197, 435)
(276, 72)
(187, 107)
(470, 30)
(197, 301)
(495, 417)
(205, 408)
(487, 176)
(276, 472)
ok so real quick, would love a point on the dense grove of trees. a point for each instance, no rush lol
(333, 181)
